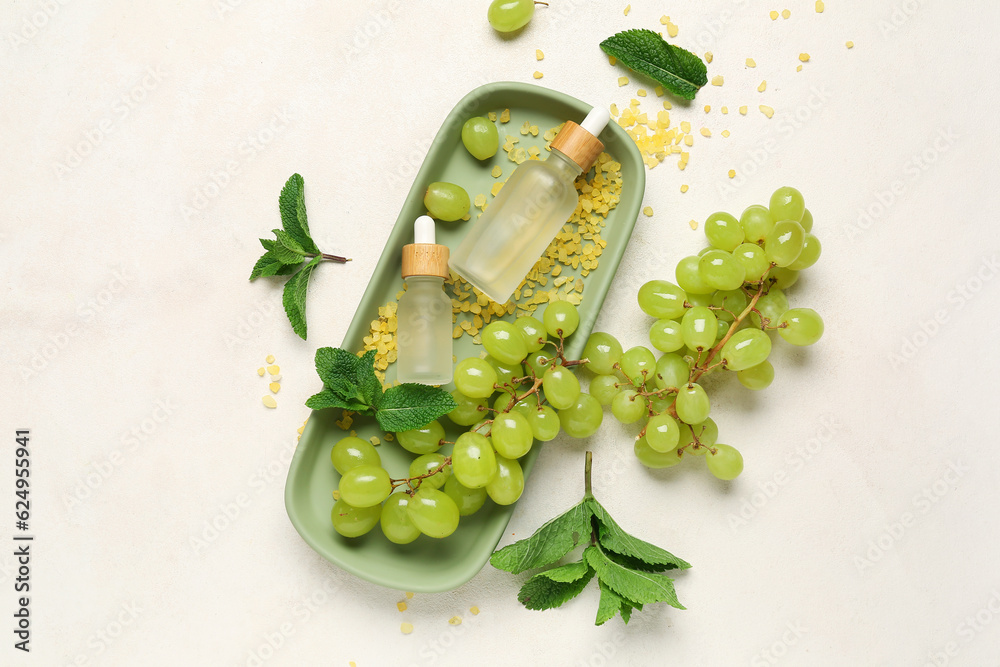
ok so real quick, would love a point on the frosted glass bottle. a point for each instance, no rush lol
(423, 319)
(539, 197)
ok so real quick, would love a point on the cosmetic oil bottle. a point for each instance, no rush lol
(423, 319)
(538, 198)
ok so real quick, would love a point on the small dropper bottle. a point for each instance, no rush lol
(423, 319)
(535, 202)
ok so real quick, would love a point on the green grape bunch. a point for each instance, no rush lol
(720, 315)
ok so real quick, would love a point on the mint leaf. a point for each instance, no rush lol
(268, 265)
(644, 51)
(548, 544)
(612, 537)
(334, 364)
(294, 297)
(267, 243)
(292, 204)
(609, 605)
(409, 406)
(555, 587)
(329, 399)
(368, 384)
(636, 586)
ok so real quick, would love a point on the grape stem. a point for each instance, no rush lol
(409, 480)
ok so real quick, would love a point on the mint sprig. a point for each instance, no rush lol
(289, 251)
(628, 569)
(350, 383)
(646, 52)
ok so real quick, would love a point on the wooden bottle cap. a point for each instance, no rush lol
(425, 259)
(578, 145)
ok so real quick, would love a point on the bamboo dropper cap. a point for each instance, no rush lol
(579, 142)
(424, 257)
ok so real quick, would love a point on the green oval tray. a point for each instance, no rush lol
(428, 565)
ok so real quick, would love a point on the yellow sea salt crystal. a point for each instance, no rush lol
(612, 60)
(705, 132)
(455, 620)
(648, 211)
(725, 109)
(732, 173)
(717, 80)
(659, 91)
(409, 596)
(497, 171)
(538, 54)
(708, 56)
(275, 387)
(614, 110)
(672, 29)
(689, 140)
(708, 107)
(774, 15)
(766, 110)
(274, 369)
(628, 8)
(664, 19)
(533, 130)
(505, 116)
(537, 74)
(474, 610)
(336, 494)
(685, 126)
(785, 13)
(849, 44)
(798, 68)
(667, 105)
(406, 628)
(684, 188)
(525, 128)
(492, 115)
(269, 402)
(693, 224)
(270, 359)
(725, 133)
(623, 81)
(762, 87)
(820, 6)
(743, 110)
(496, 188)
(641, 92)
(804, 57)
(260, 371)
(401, 606)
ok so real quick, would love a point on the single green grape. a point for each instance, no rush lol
(544, 423)
(352, 521)
(508, 484)
(725, 462)
(661, 299)
(771, 306)
(689, 277)
(602, 352)
(351, 452)
(473, 461)
(511, 435)
(510, 15)
(746, 348)
(665, 335)
(525, 406)
(757, 377)
(698, 328)
(811, 249)
(784, 244)
(504, 342)
(480, 137)
(801, 326)
(561, 318)
(707, 248)
(561, 387)
(662, 433)
(395, 519)
(730, 304)
(541, 361)
(628, 406)
(700, 299)
(707, 432)
(721, 270)
(651, 458)
(638, 364)
(604, 388)
(433, 512)
(753, 259)
(468, 500)
(583, 418)
(807, 220)
(721, 329)
(659, 404)
(672, 371)
(429, 463)
(475, 378)
(365, 485)
(692, 404)
(686, 441)
(533, 332)
(757, 223)
(787, 203)
(724, 231)
(468, 411)
(446, 201)
(505, 372)
(423, 440)
(783, 278)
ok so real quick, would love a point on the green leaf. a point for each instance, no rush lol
(333, 363)
(555, 587)
(268, 265)
(292, 204)
(644, 51)
(609, 605)
(633, 585)
(287, 249)
(329, 399)
(548, 544)
(294, 297)
(613, 538)
(369, 386)
(408, 406)
(267, 243)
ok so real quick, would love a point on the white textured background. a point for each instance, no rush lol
(142, 148)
